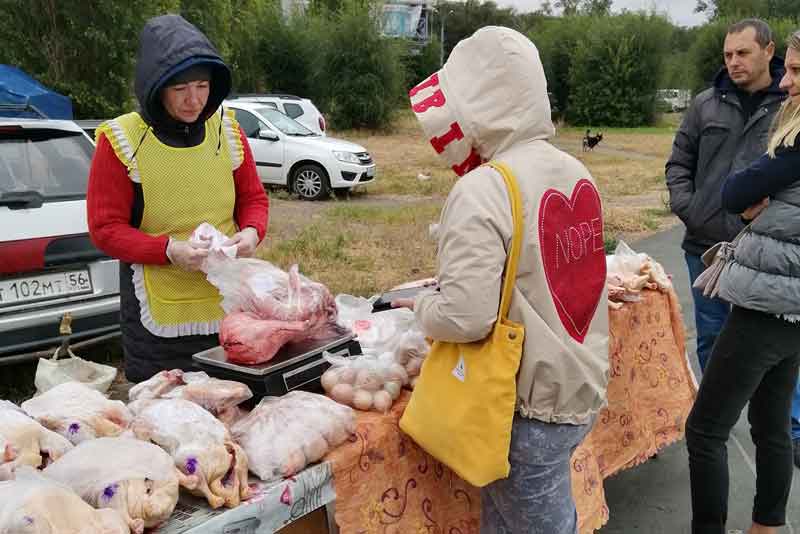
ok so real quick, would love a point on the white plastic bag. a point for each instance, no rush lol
(52, 372)
(376, 332)
(364, 382)
(284, 434)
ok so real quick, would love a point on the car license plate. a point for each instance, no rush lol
(371, 172)
(44, 287)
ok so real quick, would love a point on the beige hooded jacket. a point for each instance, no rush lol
(489, 102)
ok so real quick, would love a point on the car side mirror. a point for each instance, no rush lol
(267, 135)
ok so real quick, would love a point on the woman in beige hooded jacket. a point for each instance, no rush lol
(489, 102)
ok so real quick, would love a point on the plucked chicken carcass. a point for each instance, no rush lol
(220, 397)
(78, 412)
(23, 441)
(135, 478)
(284, 434)
(34, 504)
(200, 446)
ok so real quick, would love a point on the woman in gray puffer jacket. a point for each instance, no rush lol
(757, 355)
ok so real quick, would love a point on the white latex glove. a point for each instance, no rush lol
(246, 242)
(188, 255)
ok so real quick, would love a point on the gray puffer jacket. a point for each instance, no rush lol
(764, 274)
(714, 140)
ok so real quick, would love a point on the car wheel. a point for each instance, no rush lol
(311, 182)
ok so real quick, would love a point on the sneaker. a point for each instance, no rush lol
(796, 445)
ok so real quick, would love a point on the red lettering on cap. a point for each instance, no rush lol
(473, 160)
(436, 100)
(453, 134)
(432, 81)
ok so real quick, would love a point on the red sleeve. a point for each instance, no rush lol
(109, 199)
(252, 203)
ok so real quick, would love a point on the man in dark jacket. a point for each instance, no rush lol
(725, 129)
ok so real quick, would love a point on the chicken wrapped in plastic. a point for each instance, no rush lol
(284, 434)
(220, 397)
(23, 441)
(200, 446)
(78, 412)
(34, 504)
(135, 478)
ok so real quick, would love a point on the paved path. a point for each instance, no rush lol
(654, 498)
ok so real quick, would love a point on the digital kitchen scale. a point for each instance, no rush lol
(296, 366)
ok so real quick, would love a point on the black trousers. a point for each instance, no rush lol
(146, 354)
(755, 359)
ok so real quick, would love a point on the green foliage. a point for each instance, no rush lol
(614, 74)
(287, 54)
(360, 75)
(418, 66)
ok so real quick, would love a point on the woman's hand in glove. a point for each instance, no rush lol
(246, 242)
(187, 255)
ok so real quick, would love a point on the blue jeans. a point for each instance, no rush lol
(536, 498)
(796, 412)
(709, 314)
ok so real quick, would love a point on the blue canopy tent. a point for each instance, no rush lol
(22, 96)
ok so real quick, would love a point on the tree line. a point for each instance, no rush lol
(603, 67)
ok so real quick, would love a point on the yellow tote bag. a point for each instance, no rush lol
(463, 405)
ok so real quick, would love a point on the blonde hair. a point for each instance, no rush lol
(786, 126)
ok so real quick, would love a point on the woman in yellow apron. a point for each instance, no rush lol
(156, 175)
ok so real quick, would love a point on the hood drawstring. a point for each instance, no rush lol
(219, 132)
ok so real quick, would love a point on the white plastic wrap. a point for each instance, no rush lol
(376, 332)
(364, 382)
(23, 441)
(220, 397)
(135, 478)
(629, 272)
(199, 444)
(78, 412)
(33, 504)
(284, 434)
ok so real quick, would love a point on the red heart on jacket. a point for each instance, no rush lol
(571, 241)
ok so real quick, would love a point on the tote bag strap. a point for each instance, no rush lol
(516, 237)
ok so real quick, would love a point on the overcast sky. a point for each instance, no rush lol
(680, 11)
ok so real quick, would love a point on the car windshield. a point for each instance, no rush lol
(284, 123)
(53, 163)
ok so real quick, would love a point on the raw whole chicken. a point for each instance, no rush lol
(135, 478)
(220, 397)
(78, 412)
(200, 446)
(284, 434)
(34, 504)
(23, 441)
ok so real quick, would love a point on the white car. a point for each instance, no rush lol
(289, 154)
(48, 265)
(302, 110)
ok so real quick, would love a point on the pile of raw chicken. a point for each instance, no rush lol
(73, 461)
(629, 273)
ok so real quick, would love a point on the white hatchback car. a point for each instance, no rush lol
(48, 265)
(289, 154)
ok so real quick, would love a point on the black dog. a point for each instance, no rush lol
(591, 141)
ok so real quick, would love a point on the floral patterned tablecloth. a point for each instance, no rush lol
(385, 484)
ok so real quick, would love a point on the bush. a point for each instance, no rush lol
(418, 66)
(615, 72)
(360, 75)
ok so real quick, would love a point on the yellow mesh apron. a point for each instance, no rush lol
(181, 187)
